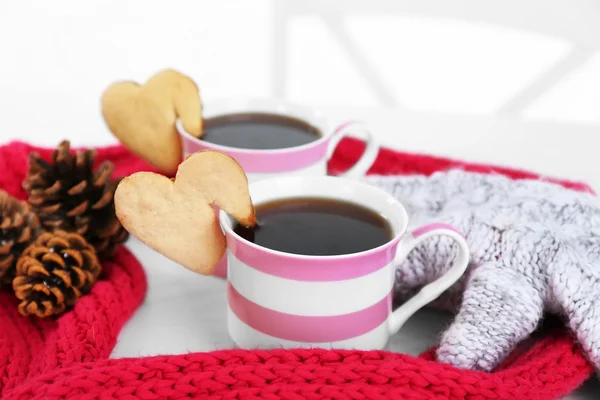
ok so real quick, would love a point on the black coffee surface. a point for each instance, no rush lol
(317, 227)
(259, 131)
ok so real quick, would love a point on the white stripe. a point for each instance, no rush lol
(246, 337)
(309, 298)
(317, 169)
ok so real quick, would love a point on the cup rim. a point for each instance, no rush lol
(227, 222)
(326, 135)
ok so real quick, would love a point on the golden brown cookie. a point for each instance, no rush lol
(143, 117)
(175, 217)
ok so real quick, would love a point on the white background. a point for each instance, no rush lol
(513, 83)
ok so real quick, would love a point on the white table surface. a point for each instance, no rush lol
(184, 312)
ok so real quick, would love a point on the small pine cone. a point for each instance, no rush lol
(53, 272)
(19, 226)
(68, 194)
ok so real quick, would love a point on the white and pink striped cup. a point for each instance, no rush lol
(309, 159)
(278, 299)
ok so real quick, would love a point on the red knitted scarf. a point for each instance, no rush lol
(67, 357)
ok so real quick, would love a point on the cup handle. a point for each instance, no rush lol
(369, 156)
(432, 290)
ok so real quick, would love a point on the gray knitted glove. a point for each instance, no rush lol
(535, 247)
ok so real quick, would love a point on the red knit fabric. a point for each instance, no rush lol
(68, 357)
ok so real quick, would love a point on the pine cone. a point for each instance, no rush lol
(19, 226)
(67, 194)
(53, 272)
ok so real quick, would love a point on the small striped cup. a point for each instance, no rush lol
(278, 299)
(308, 159)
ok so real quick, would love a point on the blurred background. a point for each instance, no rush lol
(510, 82)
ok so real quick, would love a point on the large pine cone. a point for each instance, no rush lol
(19, 226)
(53, 272)
(67, 194)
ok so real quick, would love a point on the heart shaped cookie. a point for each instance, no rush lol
(143, 117)
(175, 216)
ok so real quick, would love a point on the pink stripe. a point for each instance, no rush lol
(221, 270)
(308, 329)
(432, 227)
(312, 269)
(264, 161)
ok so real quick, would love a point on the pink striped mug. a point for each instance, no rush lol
(278, 299)
(309, 159)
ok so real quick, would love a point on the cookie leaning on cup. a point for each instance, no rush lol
(175, 217)
(143, 117)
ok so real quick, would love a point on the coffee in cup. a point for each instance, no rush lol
(259, 131)
(314, 226)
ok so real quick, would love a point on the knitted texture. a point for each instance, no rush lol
(68, 357)
(535, 247)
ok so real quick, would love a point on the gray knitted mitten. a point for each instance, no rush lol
(535, 247)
